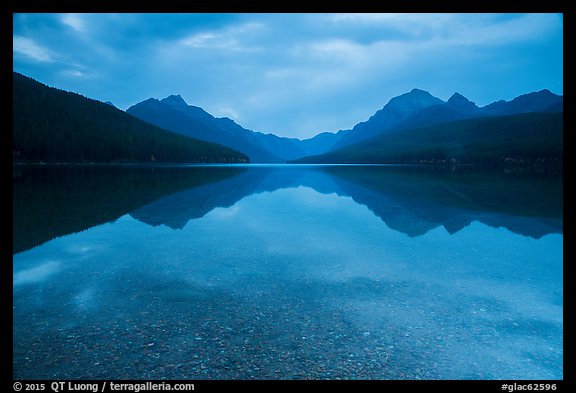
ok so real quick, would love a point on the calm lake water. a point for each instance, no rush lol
(286, 272)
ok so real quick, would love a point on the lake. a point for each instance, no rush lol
(286, 272)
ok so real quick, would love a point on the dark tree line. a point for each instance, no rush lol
(52, 125)
(55, 200)
(530, 138)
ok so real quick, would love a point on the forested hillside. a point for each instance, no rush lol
(52, 125)
(530, 138)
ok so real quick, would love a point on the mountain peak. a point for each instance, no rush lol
(397, 110)
(542, 94)
(416, 99)
(174, 100)
(457, 97)
(461, 103)
(534, 102)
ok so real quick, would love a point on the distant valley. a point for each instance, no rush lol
(174, 114)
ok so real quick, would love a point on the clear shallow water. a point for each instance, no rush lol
(286, 272)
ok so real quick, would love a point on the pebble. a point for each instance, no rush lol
(290, 341)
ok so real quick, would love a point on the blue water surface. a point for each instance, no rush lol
(286, 273)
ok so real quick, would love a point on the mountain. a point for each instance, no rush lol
(419, 108)
(397, 110)
(461, 104)
(457, 107)
(48, 130)
(174, 114)
(323, 142)
(175, 101)
(281, 148)
(415, 109)
(528, 138)
(541, 101)
(53, 125)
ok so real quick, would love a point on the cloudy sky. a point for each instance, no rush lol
(291, 74)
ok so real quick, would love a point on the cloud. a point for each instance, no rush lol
(234, 38)
(295, 74)
(489, 29)
(401, 21)
(75, 21)
(75, 73)
(341, 50)
(494, 31)
(225, 110)
(32, 50)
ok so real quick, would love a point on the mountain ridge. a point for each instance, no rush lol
(436, 111)
(397, 110)
(174, 114)
(416, 108)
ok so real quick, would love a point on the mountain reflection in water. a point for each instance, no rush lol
(54, 201)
